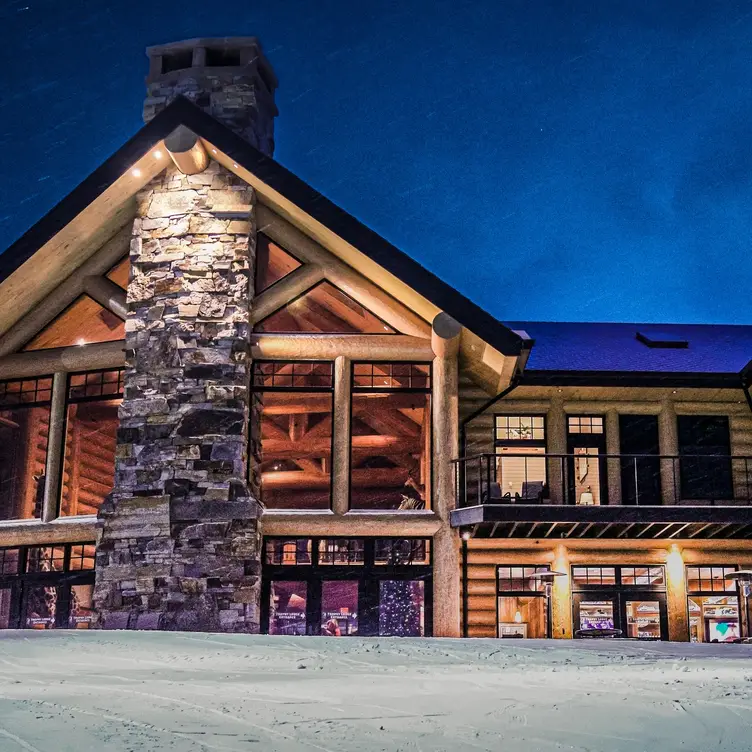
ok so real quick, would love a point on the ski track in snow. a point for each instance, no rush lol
(148, 691)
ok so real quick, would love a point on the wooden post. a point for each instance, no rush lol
(613, 446)
(561, 595)
(55, 448)
(668, 441)
(446, 559)
(556, 441)
(676, 596)
(341, 441)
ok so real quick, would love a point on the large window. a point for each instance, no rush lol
(345, 586)
(587, 471)
(520, 442)
(390, 440)
(83, 322)
(295, 401)
(90, 440)
(713, 604)
(705, 465)
(272, 263)
(324, 309)
(522, 603)
(24, 423)
(47, 587)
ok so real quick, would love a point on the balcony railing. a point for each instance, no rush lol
(590, 479)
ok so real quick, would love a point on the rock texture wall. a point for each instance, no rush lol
(180, 544)
(228, 78)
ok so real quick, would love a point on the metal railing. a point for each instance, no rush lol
(588, 478)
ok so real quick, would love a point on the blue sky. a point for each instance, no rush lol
(553, 160)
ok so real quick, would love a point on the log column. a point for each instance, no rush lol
(445, 342)
(613, 446)
(676, 596)
(561, 595)
(668, 441)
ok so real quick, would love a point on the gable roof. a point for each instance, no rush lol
(281, 180)
(714, 352)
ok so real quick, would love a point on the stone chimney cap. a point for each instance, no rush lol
(215, 53)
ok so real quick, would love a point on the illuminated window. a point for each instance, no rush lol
(710, 580)
(513, 579)
(82, 322)
(288, 551)
(90, 440)
(24, 425)
(642, 576)
(45, 559)
(120, 273)
(515, 428)
(593, 576)
(341, 551)
(402, 551)
(295, 401)
(390, 436)
(272, 263)
(9, 558)
(585, 424)
(324, 309)
(81, 557)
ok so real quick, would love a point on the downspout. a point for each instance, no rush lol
(513, 384)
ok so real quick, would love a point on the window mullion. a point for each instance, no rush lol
(55, 447)
(341, 425)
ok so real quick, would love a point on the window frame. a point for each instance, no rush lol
(520, 442)
(360, 389)
(618, 584)
(369, 575)
(331, 390)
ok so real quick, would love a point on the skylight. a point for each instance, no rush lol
(662, 340)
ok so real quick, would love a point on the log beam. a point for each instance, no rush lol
(343, 276)
(107, 294)
(65, 293)
(76, 358)
(328, 346)
(187, 151)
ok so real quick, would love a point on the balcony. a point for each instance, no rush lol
(591, 495)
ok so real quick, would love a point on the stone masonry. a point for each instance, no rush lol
(179, 545)
(229, 78)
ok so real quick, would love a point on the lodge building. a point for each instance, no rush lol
(226, 405)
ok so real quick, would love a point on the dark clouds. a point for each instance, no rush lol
(554, 160)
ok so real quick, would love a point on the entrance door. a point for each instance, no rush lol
(639, 615)
(339, 607)
(586, 468)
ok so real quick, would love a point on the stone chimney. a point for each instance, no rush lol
(179, 544)
(228, 77)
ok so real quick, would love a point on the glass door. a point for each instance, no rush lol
(587, 472)
(637, 615)
(595, 611)
(339, 607)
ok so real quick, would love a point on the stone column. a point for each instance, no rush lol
(179, 546)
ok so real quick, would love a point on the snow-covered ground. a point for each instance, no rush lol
(128, 691)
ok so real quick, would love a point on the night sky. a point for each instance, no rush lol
(585, 161)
